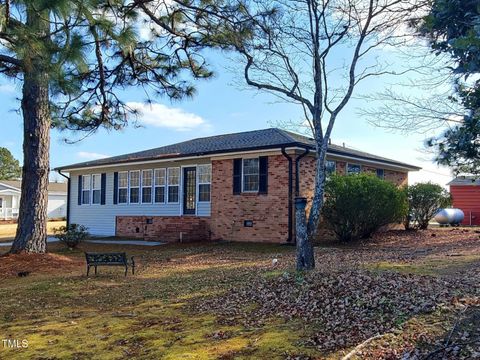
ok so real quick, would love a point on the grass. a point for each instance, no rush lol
(155, 314)
(7, 231)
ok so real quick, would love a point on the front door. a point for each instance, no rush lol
(189, 190)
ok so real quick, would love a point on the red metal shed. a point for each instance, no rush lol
(465, 193)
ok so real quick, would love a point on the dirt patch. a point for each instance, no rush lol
(27, 264)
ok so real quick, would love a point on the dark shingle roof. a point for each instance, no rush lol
(466, 181)
(244, 141)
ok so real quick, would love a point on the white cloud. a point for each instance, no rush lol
(91, 155)
(159, 115)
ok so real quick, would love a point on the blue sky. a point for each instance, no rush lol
(219, 107)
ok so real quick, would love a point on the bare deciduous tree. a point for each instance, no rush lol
(315, 53)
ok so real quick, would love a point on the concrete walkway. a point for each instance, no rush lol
(52, 239)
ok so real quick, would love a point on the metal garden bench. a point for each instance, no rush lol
(109, 259)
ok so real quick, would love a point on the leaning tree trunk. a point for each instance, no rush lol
(31, 233)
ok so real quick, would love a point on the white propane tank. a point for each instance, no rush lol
(449, 216)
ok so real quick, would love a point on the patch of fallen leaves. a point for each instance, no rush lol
(345, 307)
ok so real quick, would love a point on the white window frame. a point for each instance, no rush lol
(199, 182)
(383, 173)
(155, 185)
(334, 167)
(123, 187)
(177, 185)
(146, 186)
(346, 169)
(134, 187)
(89, 182)
(93, 189)
(243, 175)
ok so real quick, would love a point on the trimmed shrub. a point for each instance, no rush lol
(356, 206)
(72, 235)
(424, 201)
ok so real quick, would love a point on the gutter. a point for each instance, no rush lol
(290, 205)
(68, 195)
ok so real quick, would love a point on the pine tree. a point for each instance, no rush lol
(9, 166)
(73, 58)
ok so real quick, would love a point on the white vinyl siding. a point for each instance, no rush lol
(101, 220)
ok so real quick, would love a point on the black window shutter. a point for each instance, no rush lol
(115, 187)
(79, 189)
(263, 175)
(102, 191)
(237, 176)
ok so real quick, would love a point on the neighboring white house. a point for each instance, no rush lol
(10, 191)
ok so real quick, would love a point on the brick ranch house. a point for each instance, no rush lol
(237, 187)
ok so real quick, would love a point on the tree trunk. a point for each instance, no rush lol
(305, 256)
(31, 233)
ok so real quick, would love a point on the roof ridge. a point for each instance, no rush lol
(288, 134)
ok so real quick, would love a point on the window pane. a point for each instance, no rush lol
(353, 169)
(173, 176)
(96, 181)
(134, 195)
(204, 192)
(86, 182)
(147, 194)
(172, 194)
(96, 196)
(250, 183)
(147, 178)
(330, 167)
(204, 174)
(134, 178)
(381, 173)
(85, 196)
(250, 175)
(122, 196)
(160, 194)
(250, 166)
(160, 177)
(122, 179)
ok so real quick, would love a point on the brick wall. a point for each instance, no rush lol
(307, 183)
(269, 212)
(165, 228)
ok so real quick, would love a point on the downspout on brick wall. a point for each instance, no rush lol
(297, 171)
(290, 204)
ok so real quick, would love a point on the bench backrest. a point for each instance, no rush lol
(106, 258)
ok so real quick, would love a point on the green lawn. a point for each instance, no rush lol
(227, 301)
(7, 231)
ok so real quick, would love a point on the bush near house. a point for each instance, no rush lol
(424, 201)
(356, 206)
(71, 235)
